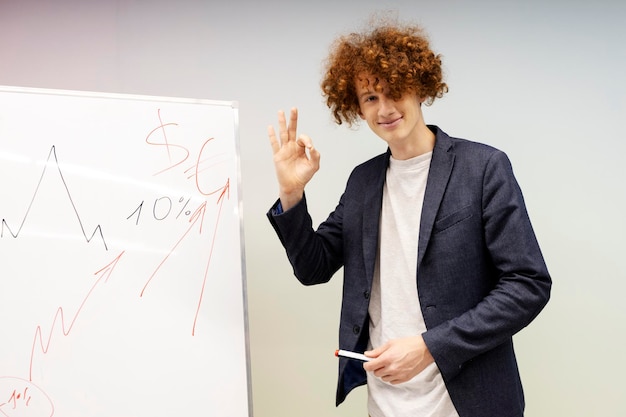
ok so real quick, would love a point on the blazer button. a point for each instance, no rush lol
(356, 329)
(366, 294)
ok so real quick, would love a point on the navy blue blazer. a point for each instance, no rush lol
(481, 276)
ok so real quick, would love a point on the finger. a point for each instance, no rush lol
(273, 141)
(374, 366)
(314, 156)
(382, 374)
(313, 153)
(395, 381)
(282, 127)
(374, 353)
(293, 123)
(305, 141)
(369, 367)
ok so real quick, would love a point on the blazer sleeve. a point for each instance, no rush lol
(314, 256)
(511, 270)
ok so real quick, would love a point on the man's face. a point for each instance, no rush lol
(397, 122)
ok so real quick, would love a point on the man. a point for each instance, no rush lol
(441, 264)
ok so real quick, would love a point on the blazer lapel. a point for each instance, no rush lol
(438, 176)
(372, 201)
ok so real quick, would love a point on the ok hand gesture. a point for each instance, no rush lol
(295, 159)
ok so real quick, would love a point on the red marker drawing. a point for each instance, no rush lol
(352, 355)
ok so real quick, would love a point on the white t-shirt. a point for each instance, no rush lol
(394, 307)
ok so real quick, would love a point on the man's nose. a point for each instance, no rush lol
(387, 107)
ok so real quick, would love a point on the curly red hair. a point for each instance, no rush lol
(401, 56)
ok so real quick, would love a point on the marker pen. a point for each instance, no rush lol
(352, 355)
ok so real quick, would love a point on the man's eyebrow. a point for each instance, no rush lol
(367, 92)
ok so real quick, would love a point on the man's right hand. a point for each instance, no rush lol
(295, 159)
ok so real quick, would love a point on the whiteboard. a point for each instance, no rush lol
(122, 284)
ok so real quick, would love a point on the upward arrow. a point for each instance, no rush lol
(103, 275)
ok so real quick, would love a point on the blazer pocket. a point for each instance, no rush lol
(452, 219)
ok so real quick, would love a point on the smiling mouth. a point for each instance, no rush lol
(391, 123)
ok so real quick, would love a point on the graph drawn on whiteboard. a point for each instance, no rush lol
(122, 287)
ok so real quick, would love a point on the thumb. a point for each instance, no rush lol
(374, 353)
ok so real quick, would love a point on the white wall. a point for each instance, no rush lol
(542, 80)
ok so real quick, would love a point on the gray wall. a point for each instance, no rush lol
(542, 80)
